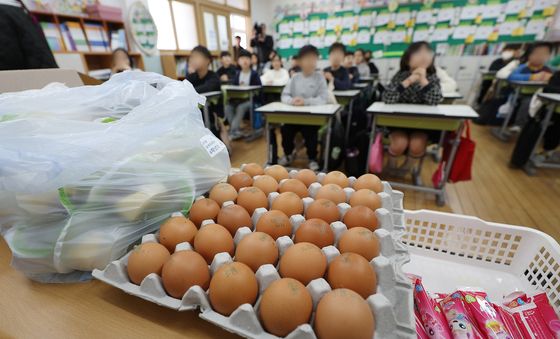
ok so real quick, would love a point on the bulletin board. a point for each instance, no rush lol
(388, 29)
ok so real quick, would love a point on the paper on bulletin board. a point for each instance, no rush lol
(299, 42)
(329, 39)
(446, 14)
(364, 20)
(348, 22)
(397, 37)
(462, 32)
(470, 12)
(441, 34)
(382, 38)
(535, 26)
(507, 28)
(424, 17)
(348, 38)
(363, 36)
(483, 32)
(491, 11)
(333, 23)
(285, 43)
(315, 24)
(297, 26)
(402, 18)
(285, 28)
(539, 5)
(382, 19)
(514, 7)
(421, 35)
(317, 41)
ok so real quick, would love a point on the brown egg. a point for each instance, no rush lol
(285, 304)
(367, 198)
(369, 181)
(253, 169)
(289, 203)
(323, 209)
(342, 313)
(274, 223)
(232, 285)
(294, 185)
(360, 240)
(239, 180)
(223, 192)
(266, 183)
(203, 209)
(315, 231)
(182, 271)
(252, 198)
(331, 192)
(304, 262)
(336, 177)
(351, 270)
(360, 216)
(277, 172)
(306, 176)
(211, 240)
(176, 230)
(233, 217)
(145, 259)
(257, 249)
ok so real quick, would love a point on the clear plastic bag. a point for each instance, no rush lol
(76, 190)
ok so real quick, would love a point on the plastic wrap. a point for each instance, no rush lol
(76, 189)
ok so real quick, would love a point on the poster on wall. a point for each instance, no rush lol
(142, 28)
(223, 33)
(210, 31)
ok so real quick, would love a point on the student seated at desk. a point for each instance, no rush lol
(534, 69)
(415, 83)
(294, 68)
(245, 77)
(307, 87)
(335, 74)
(255, 63)
(275, 75)
(353, 72)
(372, 68)
(508, 54)
(227, 71)
(361, 63)
(268, 64)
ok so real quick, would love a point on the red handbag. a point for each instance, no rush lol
(461, 167)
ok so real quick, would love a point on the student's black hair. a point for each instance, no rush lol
(295, 57)
(120, 49)
(413, 48)
(361, 50)
(349, 53)
(276, 56)
(256, 56)
(237, 37)
(202, 50)
(272, 51)
(337, 46)
(511, 46)
(224, 54)
(244, 53)
(306, 50)
(366, 57)
(531, 48)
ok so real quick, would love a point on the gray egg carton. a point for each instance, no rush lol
(392, 305)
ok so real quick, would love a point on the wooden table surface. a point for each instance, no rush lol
(87, 310)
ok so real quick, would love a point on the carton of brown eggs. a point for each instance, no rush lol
(391, 304)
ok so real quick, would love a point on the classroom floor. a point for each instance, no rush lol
(497, 192)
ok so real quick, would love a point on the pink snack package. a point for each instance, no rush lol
(489, 321)
(528, 317)
(429, 312)
(509, 322)
(420, 331)
(458, 317)
(547, 312)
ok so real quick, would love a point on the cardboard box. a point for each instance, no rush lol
(15, 81)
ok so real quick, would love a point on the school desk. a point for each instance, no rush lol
(242, 92)
(552, 100)
(273, 89)
(449, 97)
(319, 115)
(370, 79)
(520, 88)
(347, 98)
(488, 75)
(360, 85)
(211, 98)
(441, 117)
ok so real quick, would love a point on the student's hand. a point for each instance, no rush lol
(411, 80)
(329, 76)
(224, 77)
(421, 72)
(545, 76)
(351, 76)
(297, 101)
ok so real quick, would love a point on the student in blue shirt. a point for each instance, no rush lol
(336, 73)
(534, 69)
(245, 77)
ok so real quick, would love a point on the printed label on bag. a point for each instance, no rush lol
(212, 145)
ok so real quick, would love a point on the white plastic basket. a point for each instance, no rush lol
(451, 250)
